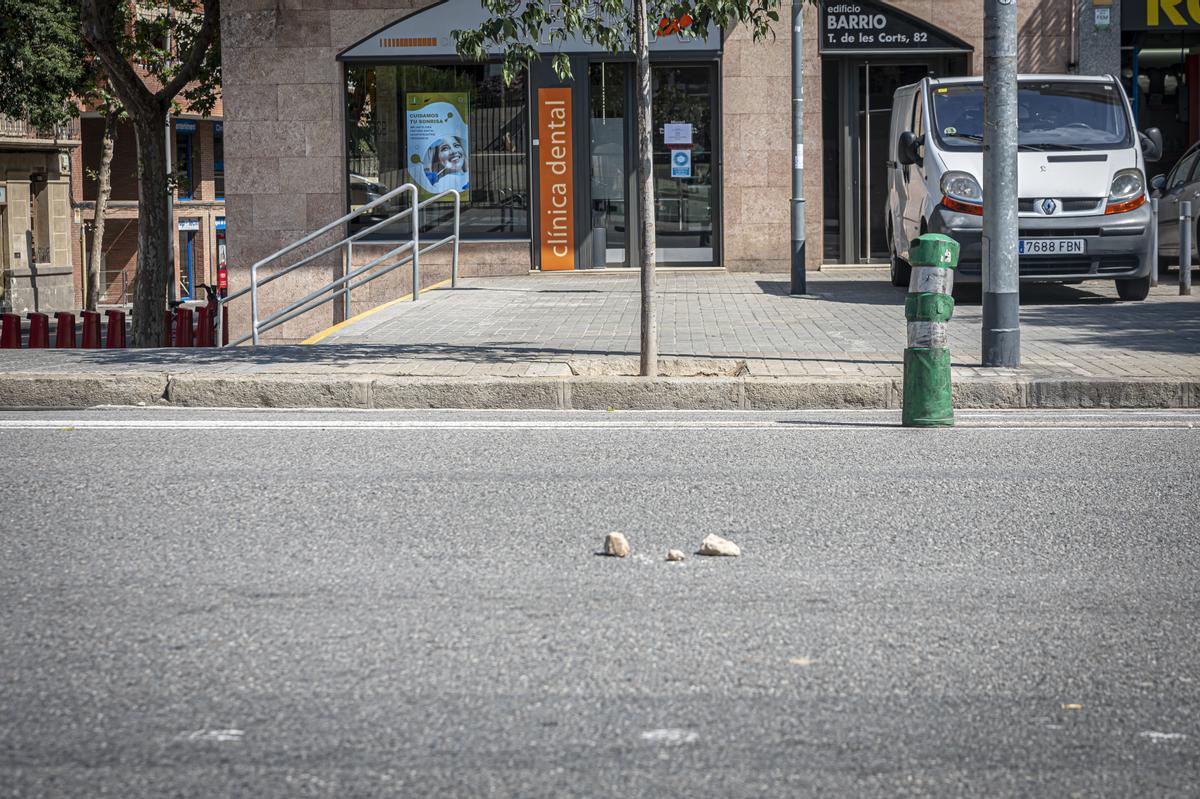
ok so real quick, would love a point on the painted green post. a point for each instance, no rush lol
(928, 398)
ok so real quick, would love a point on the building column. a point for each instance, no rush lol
(1099, 48)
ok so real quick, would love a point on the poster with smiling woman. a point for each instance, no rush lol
(438, 142)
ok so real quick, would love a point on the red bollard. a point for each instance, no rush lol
(183, 327)
(168, 325)
(10, 334)
(39, 331)
(64, 330)
(116, 330)
(204, 328)
(91, 330)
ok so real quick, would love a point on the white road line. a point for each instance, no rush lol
(533, 424)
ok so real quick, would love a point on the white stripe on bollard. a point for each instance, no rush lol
(931, 279)
(930, 335)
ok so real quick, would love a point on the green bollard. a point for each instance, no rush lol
(928, 391)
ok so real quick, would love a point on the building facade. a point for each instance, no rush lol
(332, 103)
(36, 264)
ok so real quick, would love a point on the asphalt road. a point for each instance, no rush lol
(399, 604)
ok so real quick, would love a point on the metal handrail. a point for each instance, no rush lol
(411, 251)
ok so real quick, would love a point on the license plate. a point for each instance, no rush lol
(1052, 246)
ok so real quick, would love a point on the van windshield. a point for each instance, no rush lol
(1064, 115)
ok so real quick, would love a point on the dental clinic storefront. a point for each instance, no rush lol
(540, 160)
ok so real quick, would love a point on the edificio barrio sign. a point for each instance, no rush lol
(866, 26)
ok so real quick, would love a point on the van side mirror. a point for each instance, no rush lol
(1158, 182)
(908, 149)
(1152, 144)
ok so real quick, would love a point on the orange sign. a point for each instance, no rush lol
(557, 179)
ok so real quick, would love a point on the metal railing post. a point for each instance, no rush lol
(1154, 237)
(254, 303)
(345, 271)
(454, 257)
(221, 342)
(416, 244)
(1185, 247)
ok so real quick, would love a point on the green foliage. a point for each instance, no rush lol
(514, 27)
(43, 63)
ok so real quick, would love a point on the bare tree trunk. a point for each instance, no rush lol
(645, 182)
(154, 233)
(103, 193)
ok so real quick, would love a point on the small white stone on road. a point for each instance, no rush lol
(1156, 736)
(671, 736)
(715, 545)
(220, 736)
(674, 554)
(616, 544)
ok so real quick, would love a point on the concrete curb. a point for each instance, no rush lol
(81, 390)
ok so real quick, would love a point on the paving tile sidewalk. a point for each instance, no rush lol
(710, 323)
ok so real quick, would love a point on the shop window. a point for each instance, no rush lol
(219, 160)
(185, 154)
(440, 127)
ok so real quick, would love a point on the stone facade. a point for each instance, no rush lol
(285, 136)
(35, 221)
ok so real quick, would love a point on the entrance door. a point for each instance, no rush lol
(608, 85)
(856, 149)
(684, 140)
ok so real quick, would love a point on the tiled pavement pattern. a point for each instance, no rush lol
(853, 325)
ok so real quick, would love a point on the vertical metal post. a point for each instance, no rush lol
(172, 234)
(345, 272)
(799, 276)
(221, 342)
(454, 257)
(1185, 247)
(1154, 239)
(416, 244)
(1001, 268)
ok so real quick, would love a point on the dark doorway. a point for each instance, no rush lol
(856, 123)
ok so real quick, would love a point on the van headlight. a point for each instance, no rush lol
(1127, 183)
(961, 192)
(1128, 191)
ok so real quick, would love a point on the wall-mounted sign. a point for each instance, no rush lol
(1160, 15)
(557, 179)
(3, 195)
(866, 26)
(185, 126)
(438, 142)
(1103, 18)
(189, 224)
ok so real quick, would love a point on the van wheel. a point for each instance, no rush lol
(1134, 290)
(901, 272)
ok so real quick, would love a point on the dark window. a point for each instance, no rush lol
(219, 160)
(184, 156)
(485, 155)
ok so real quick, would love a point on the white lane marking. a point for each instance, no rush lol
(671, 736)
(214, 425)
(220, 736)
(1162, 736)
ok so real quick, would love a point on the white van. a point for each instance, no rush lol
(1084, 211)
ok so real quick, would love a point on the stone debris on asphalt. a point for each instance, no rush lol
(674, 555)
(717, 546)
(616, 545)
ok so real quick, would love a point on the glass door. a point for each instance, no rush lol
(877, 83)
(608, 86)
(685, 200)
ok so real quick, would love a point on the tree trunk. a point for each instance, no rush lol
(154, 232)
(645, 182)
(103, 193)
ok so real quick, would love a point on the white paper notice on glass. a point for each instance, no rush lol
(677, 133)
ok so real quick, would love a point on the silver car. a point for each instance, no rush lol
(1181, 184)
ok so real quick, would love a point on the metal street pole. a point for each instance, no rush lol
(799, 277)
(1001, 275)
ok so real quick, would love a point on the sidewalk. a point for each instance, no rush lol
(726, 341)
